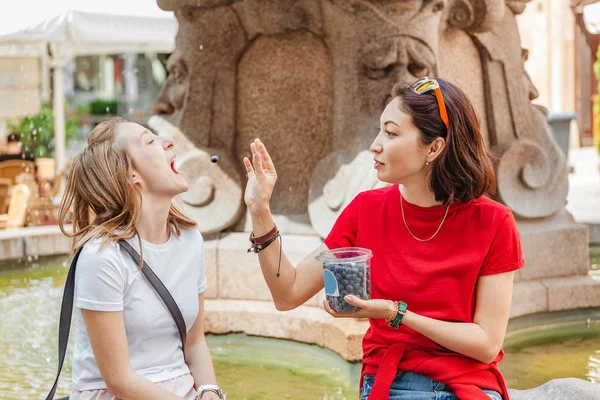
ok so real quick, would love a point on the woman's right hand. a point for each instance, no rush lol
(261, 177)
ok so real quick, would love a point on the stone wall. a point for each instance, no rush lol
(311, 77)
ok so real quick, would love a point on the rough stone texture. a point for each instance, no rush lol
(573, 292)
(567, 388)
(532, 173)
(310, 77)
(284, 97)
(11, 248)
(554, 246)
(304, 324)
(212, 269)
(41, 241)
(528, 298)
(325, 68)
(47, 245)
(239, 273)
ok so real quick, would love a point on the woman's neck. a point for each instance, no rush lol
(152, 225)
(419, 195)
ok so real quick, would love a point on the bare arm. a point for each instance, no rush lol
(197, 354)
(481, 339)
(295, 285)
(106, 331)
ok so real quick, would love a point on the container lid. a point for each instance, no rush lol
(345, 254)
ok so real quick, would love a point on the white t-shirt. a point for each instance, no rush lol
(107, 279)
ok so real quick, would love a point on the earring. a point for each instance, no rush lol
(427, 162)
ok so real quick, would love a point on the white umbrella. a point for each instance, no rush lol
(59, 39)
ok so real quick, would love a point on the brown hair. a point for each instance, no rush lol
(464, 170)
(101, 198)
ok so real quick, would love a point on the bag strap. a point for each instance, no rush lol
(66, 309)
(64, 326)
(162, 291)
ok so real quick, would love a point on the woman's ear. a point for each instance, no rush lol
(135, 177)
(436, 148)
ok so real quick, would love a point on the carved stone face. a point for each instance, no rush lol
(171, 99)
(391, 60)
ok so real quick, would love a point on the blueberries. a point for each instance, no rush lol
(214, 159)
(352, 278)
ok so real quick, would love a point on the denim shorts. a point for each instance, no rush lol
(413, 386)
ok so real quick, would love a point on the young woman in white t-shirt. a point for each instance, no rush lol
(127, 344)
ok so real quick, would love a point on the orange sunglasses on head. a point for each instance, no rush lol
(426, 84)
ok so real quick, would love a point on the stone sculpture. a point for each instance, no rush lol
(311, 77)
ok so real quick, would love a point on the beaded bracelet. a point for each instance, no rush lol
(395, 320)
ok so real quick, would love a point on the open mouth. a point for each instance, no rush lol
(173, 167)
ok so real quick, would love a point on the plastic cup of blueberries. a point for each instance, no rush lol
(346, 270)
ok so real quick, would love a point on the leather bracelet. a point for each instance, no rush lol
(258, 247)
(264, 237)
(260, 243)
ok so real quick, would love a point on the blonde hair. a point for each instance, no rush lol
(101, 197)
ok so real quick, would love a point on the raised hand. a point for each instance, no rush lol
(261, 177)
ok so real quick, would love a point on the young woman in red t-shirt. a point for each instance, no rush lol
(443, 254)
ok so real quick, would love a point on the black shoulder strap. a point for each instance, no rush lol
(162, 291)
(64, 326)
(66, 310)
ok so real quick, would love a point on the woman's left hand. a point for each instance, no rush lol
(376, 308)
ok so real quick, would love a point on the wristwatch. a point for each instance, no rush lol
(209, 388)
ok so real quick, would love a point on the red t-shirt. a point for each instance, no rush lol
(437, 278)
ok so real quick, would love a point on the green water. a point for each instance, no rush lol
(248, 368)
(549, 346)
(267, 369)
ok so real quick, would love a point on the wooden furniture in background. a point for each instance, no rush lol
(17, 208)
(5, 184)
(11, 168)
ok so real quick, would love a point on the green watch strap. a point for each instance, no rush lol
(399, 315)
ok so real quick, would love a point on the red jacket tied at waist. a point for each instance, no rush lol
(464, 376)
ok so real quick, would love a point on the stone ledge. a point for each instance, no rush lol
(529, 297)
(38, 240)
(305, 324)
(572, 292)
(555, 294)
(569, 244)
(566, 388)
(238, 274)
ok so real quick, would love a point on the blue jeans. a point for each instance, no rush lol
(413, 386)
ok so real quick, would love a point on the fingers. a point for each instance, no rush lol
(266, 157)
(248, 165)
(258, 164)
(258, 149)
(329, 310)
(355, 301)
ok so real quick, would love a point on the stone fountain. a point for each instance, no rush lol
(310, 78)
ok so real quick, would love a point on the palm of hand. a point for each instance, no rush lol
(261, 176)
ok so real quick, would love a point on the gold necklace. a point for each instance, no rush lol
(408, 229)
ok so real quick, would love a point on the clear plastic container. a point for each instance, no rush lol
(346, 270)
